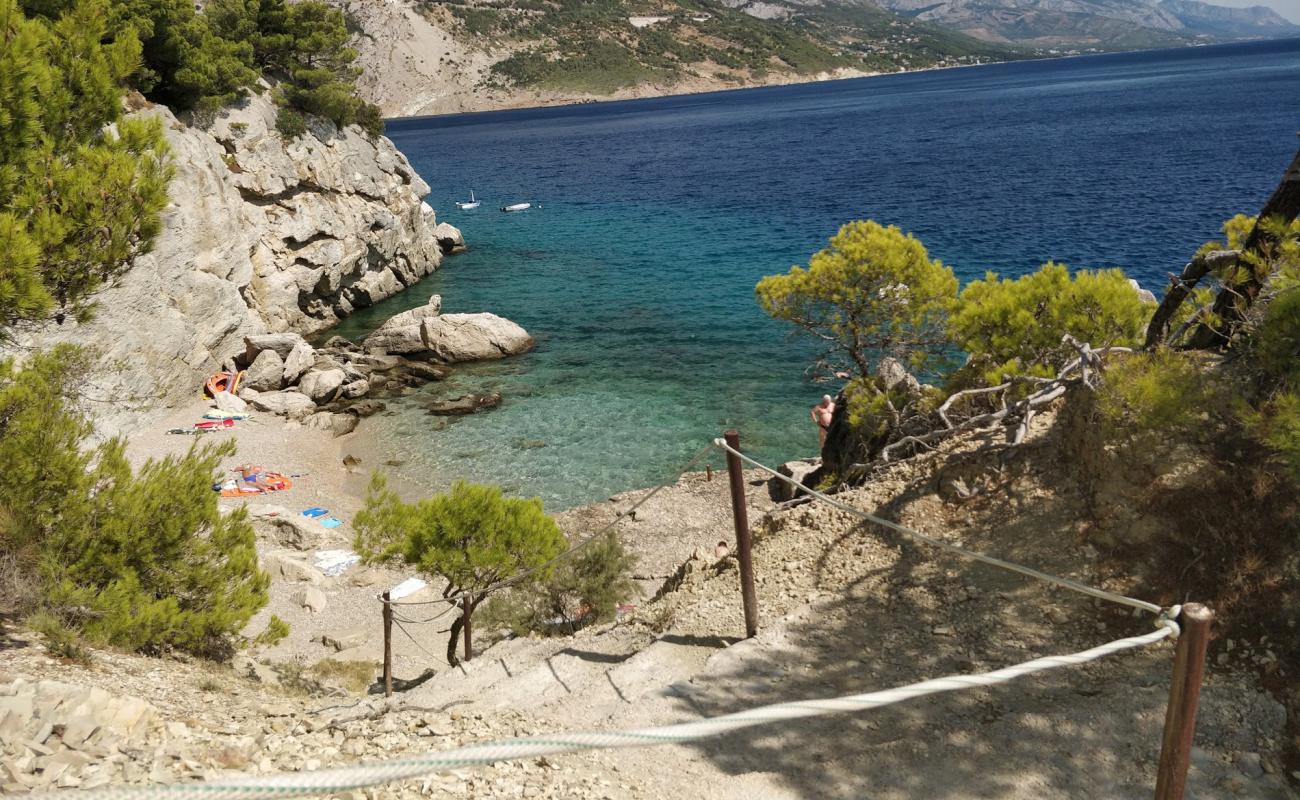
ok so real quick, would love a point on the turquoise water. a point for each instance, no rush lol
(658, 216)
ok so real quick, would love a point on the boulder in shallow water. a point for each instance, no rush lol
(291, 404)
(401, 339)
(337, 424)
(266, 373)
(473, 337)
(449, 238)
(415, 315)
(465, 404)
(355, 389)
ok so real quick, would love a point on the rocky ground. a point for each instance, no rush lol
(845, 608)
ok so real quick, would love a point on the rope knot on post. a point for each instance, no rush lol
(1169, 619)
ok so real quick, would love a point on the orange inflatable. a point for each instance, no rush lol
(222, 382)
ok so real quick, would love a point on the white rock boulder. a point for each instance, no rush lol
(291, 404)
(298, 361)
(321, 385)
(266, 373)
(473, 337)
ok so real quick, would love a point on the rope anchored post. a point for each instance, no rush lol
(388, 646)
(740, 514)
(1184, 697)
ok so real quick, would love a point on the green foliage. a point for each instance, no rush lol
(141, 560)
(873, 292)
(1015, 327)
(78, 201)
(581, 590)
(1162, 392)
(290, 123)
(471, 537)
(60, 640)
(275, 632)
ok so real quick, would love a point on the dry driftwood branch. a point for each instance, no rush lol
(1181, 288)
(1052, 389)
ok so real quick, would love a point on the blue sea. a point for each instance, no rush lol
(657, 217)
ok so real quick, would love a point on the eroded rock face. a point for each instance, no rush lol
(260, 236)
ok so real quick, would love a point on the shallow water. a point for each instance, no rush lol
(658, 216)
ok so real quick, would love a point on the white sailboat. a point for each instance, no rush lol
(466, 205)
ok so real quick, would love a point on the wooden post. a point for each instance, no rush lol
(469, 648)
(740, 515)
(388, 647)
(1184, 695)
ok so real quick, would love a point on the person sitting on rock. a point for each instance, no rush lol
(822, 413)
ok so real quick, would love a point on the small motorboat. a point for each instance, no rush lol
(517, 207)
(466, 205)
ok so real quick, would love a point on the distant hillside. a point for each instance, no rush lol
(1096, 24)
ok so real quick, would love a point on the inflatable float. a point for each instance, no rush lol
(222, 382)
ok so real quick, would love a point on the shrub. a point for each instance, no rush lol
(582, 590)
(141, 560)
(471, 537)
(1015, 327)
(275, 632)
(290, 123)
(1161, 392)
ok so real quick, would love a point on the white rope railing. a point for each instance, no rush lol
(1065, 583)
(360, 776)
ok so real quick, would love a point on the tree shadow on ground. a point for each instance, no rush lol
(1085, 731)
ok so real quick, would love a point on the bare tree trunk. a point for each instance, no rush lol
(453, 640)
(1181, 287)
(1235, 298)
(469, 612)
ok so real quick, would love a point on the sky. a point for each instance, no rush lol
(1287, 8)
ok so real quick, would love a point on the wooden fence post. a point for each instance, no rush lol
(1184, 696)
(388, 646)
(469, 649)
(740, 515)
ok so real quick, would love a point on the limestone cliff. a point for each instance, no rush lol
(261, 234)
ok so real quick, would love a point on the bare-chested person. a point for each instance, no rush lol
(822, 414)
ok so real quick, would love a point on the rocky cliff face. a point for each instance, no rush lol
(260, 235)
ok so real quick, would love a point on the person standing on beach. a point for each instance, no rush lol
(822, 413)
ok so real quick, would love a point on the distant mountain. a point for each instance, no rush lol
(1230, 23)
(1096, 24)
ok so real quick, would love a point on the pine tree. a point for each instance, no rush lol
(472, 538)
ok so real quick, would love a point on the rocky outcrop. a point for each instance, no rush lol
(261, 236)
(473, 337)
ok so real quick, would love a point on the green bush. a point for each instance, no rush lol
(290, 123)
(471, 537)
(1015, 327)
(139, 560)
(583, 589)
(1162, 392)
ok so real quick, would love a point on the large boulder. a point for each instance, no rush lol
(322, 384)
(401, 332)
(473, 337)
(291, 404)
(465, 404)
(779, 490)
(266, 373)
(449, 238)
(225, 401)
(281, 343)
(299, 360)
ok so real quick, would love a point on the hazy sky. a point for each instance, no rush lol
(1287, 8)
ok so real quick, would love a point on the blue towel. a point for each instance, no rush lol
(315, 511)
(331, 522)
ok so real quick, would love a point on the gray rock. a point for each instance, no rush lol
(338, 424)
(423, 371)
(473, 337)
(291, 404)
(355, 389)
(345, 640)
(321, 384)
(893, 374)
(225, 401)
(293, 569)
(266, 373)
(465, 404)
(415, 315)
(298, 361)
(449, 238)
(1144, 295)
(281, 343)
(367, 408)
(285, 528)
(404, 339)
(779, 490)
(311, 598)
(263, 237)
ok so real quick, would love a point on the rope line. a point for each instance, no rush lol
(511, 581)
(1066, 583)
(360, 776)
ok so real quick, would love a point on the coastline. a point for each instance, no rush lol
(536, 100)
